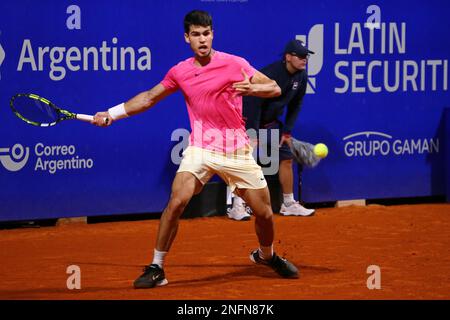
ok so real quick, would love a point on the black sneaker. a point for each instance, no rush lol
(153, 276)
(281, 266)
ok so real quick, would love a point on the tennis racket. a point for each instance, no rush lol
(40, 112)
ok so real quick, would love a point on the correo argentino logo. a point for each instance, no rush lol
(15, 158)
(314, 42)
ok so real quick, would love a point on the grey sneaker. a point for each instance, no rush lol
(296, 209)
(238, 213)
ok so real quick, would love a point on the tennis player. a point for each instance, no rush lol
(213, 84)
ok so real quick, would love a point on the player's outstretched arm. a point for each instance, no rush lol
(259, 85)
(140, 103)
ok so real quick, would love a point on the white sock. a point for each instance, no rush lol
(288, 198)
(265, 252)
(158, 258)
(238, 201)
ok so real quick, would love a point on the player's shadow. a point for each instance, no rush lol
(245, 272)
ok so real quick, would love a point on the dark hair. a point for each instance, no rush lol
(197, 18)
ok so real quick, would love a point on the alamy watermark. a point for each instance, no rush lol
(74, 280)
(374, 280)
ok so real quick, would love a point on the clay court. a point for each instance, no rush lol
(209, 259)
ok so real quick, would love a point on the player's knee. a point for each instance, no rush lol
(265, 213)
(177, 205)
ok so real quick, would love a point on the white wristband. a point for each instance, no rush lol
(118, 112)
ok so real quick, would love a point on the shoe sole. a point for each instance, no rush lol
(297, 215)
(158, 284)
(162, 283)
(243, 219)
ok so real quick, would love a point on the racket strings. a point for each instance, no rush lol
(35, 110)
(45, 109)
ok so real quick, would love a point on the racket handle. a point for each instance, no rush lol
(85, 117)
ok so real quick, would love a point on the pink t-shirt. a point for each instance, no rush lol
(214, 107)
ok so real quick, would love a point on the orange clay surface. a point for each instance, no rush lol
(209, 258)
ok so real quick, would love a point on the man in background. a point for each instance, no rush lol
(265, 113)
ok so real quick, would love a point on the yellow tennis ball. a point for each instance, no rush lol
(321, 150)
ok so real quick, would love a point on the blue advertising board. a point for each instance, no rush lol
(378, 86)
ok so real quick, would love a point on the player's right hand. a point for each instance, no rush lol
(102, 119)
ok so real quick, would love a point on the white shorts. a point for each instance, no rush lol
(238, 169)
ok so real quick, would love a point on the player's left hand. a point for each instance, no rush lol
(243, 87)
